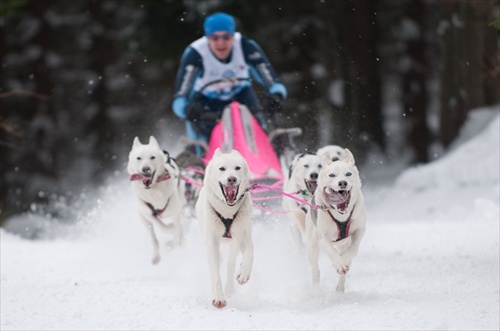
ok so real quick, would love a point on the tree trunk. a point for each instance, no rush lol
(358, 37)
(464, 29)
(415, 96)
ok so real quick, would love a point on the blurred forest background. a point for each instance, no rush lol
(80, 79)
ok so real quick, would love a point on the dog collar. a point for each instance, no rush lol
(166, 176)
(241, 196)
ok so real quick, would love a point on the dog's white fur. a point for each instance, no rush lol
(334, 152)
(335, 180)
(225, 192)
(159, 192)
(302, 177)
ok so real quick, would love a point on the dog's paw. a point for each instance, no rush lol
(244, 275)
(219, 303)
(342, 269)
(156, 259)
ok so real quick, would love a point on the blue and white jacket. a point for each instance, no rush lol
(201, 71)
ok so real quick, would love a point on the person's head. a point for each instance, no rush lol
(219, 29)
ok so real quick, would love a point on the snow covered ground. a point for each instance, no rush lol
(429, 260)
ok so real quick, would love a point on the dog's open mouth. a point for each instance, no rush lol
(339, 199)
(146, 178)
(311, 185)
(230, 193)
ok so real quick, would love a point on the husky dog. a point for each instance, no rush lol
(334, 152)
(224, 208)
(156, 183)
(338, 224)
(301, 182)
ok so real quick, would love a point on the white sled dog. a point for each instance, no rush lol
(334, 152)
(224, 208)
(156, 183)
(338, 225)
(301, 183)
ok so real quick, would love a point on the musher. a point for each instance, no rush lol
(219, 68)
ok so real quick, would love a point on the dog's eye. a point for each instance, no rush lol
(238, 168)
(331, 175)
(222, 169)
(320, 166)
(348, 174)
(139, 158)
(306, 165)
(153, 157)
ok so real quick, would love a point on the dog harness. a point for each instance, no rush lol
(305, 194)
(227, 224)
(156, 212)
(343, 227)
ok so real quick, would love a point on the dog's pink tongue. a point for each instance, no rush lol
(333, 197)
(231, 191)
(311, 185)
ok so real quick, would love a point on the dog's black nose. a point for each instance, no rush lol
(146, 170)
(314, 175)
(343, 184)
(231, 180)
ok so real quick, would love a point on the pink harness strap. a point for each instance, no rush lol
(135, 177)
(254, 186)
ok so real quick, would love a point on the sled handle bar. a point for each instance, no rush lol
(293, 132)
(223, 80)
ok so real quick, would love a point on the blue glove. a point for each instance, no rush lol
(277, 89)
(277, 93)
(179, 107)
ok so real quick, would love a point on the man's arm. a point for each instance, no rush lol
(189, 70)
(261, 68)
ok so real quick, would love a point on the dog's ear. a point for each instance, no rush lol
(296, 159)
(325, 160)
(236, 153)
(218, 152)
(348, 157)
(293, 164)
(152, 141)
(137, 142)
